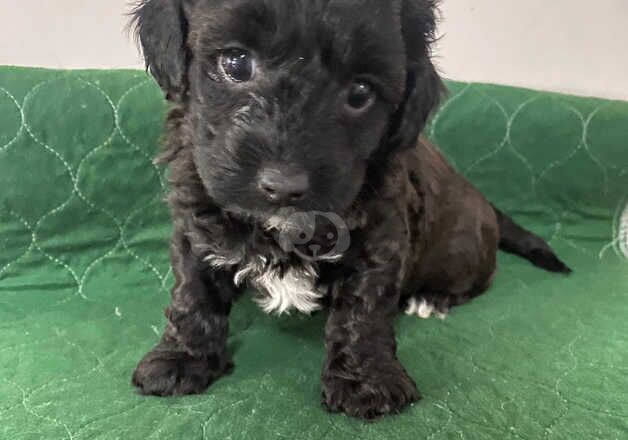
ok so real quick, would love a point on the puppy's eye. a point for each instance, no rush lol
(361, 96)
(237, 65)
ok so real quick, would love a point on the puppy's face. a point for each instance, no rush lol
(289, 101)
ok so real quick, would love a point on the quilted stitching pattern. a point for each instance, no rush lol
(84, 274)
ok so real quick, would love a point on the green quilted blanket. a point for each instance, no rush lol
(84, 277)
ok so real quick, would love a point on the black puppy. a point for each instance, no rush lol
(297, 168)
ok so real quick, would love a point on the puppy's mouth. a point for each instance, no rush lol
(285, 219)
(279, 220)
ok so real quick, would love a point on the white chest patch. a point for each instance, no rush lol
(283, 291)
(294, 289)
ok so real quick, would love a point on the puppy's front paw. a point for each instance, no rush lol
(169, 372)
(371, 397)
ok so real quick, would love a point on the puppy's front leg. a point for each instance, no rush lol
(362, 375)
(192, 352)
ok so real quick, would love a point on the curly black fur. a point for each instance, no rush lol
(418, 229)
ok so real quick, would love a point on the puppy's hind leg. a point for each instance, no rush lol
(192, 352)
(426, 305)
(423, 308)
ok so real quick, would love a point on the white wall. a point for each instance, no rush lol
(574, 46)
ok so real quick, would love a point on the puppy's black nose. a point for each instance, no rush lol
(283, 186)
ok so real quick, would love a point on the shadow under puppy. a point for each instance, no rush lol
(311, 106)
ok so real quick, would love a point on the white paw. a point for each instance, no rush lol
(622, 232)
(423, 309)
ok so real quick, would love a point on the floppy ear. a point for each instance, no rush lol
(424, 89)
(161, 28)
(424, 86)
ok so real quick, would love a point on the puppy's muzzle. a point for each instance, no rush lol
(283, 185)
